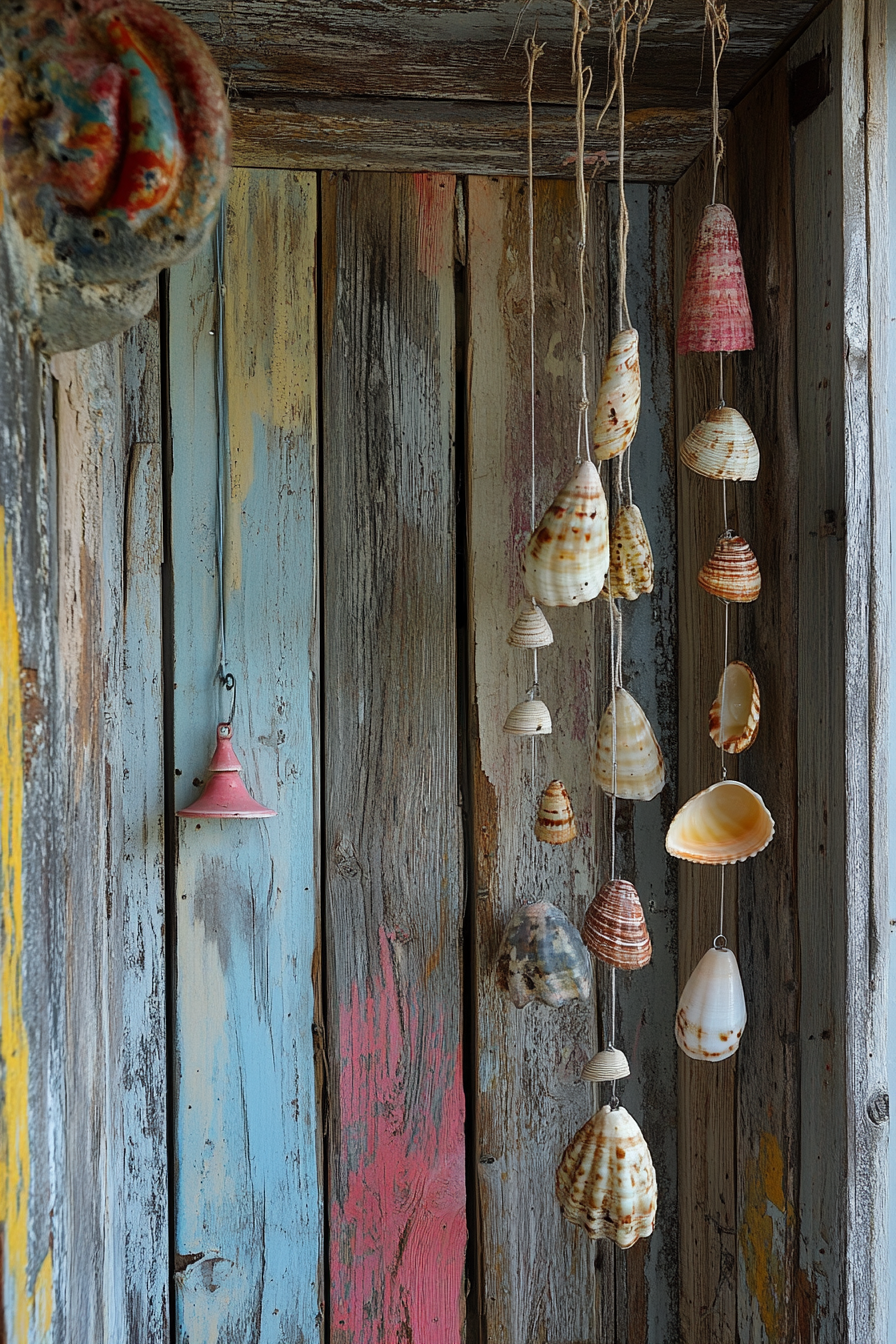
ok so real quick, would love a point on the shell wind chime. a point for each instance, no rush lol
(727, 822)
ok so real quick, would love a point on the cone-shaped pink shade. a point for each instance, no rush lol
(225, 794)
(715, 306)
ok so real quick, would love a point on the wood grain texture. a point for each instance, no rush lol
(248, 1202)
(394, 894)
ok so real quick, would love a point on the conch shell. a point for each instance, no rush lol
(715, 307)
(640, 772)
(567, 556)
(542, 956)
(712, 1011)
(734, 715)
(619, 399)
(555, 823)
(530, 630)
(606, 1182)
(614, 928)
(726, 823)
(607, 1066)
(722, 447)
(731, 573)
(631, 559)
(530, 718)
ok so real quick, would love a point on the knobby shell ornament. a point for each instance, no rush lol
(566, 558)
(715, 307)
(712, 1011)
(606, 1182)
(607, 1066)
(640, 771)
(542, 956)
(725, 823)
(530, 718)
(555, 823)
(722, 447)
(614, 928)
(619, 399)
(734, 715)
(731, 573)
(631, 559)
(530, 630)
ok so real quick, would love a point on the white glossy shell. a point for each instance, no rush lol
(722, 447)
(566, 558)
(712, 1011)
(640, 772)
(606, 1066)
(734, 714)
(725, 823)
(530, 718)
(606, 1182)
(619, 399)
(530, 630)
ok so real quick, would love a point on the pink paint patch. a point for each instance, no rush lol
(435, 238)
(399, 1232)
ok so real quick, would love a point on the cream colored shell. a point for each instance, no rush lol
(722, 447)
(712, 1011)
(607, 1066)
(530, 718)
(567, 556)
(555, 823)
(606, 1182)
(619, 399)
(734, 715)
(631, 559)
(726, 823)
(640, 772)
(530, 630)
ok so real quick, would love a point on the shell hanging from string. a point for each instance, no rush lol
(640, 771)
(631, 558)
(734, 715)
(732, 572)
(567, 556)
(530, 630)
(712, 1011)
(530, 718)
(607, 1066)
(619, 399)
(614, 928)
(722, 447)
(555, 823)
(606, 1182)
(726, 823)
(542, 956)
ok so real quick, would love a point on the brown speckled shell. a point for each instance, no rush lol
(712, 1012)
(555, 823)
(614, 928)
(606, 1182)
(619, 399)
(722, 447)
(731, 573)
(567, 556)
(631, 559)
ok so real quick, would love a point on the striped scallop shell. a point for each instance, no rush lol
(614, 928)
(606, 1066)
(530, 630)
(606, 1182)
(722, 447)
(542, 956)
(712, 1011)
(631, 559)
(734, 715)
(530, 718)
(555, 823)
(567, 556)
(731, 573)
(725, 823)
(640, 772)
(619, 399)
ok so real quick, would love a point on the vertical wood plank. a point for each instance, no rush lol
(394, 864)
(248, 1204)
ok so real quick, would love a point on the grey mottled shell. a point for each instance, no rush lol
(606, 1182)
(542, 956)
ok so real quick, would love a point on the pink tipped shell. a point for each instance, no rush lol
(725, 823)
(555, 823)
(530, 630)
(715, 306)
(606, 1182)
(722, 447)
(734, 715)
(566, 557)
(731, 573)
(619, 399)
(614, 928)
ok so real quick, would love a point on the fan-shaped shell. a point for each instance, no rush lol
(542, 956)
(555, 823)
(734, 715)
(567, 556)
(726, 823)
(722, 447)
(607, 1066)
(606, 1182)
(631, 559)
(715, 307)
(640, 772)
(530, 718)
(731, 573)
(619, 399)
(530, 630)
(614, 928)
(712, 1011)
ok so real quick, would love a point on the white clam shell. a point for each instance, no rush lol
(640, 772)
(619, 399)
(530, 718)
(606, 1066)
(725, 823)
(606, 1182)
(530, 630)
(566, 558)
(734, 714)
(712, 1011)
(722, 447)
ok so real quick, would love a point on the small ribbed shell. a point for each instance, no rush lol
(614, 928)
(619, 399)
(640, 772)
(738, 694)
(530, 718)
(631, 559)
(725, 823)
(712, 1011)
(715, 307)
(555, 823)
(731, 573)
(567, 556)
(607, 1066)
(606, 1182)
(722, 447)
(530, 630)
(542, 956)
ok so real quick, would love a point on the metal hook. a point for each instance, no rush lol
(229, 683)
(720, 942)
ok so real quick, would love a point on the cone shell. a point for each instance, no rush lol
(542, 956)
(712, 1011)
(567, 556)
(606, 1182)
(738, 695)
(722, 447)
(715, 307)
(640, 772)
(731, 573)
(614, 928)
(726, 823)
(530, 630)
(631, 559)
(555, 823)
(606, 1066)
(530, 718)
(619, 399)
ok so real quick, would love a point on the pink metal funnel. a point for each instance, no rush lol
(224, 793)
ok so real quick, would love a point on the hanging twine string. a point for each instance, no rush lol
(222, 425)
(533, 50)
(581, 78)
(717, 24)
